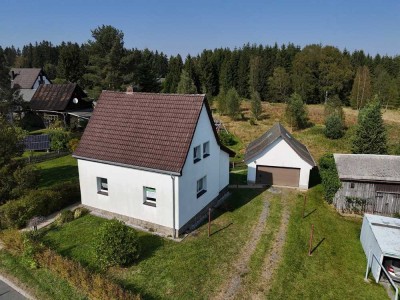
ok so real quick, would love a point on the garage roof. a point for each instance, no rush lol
(387, 233)
(277, 131)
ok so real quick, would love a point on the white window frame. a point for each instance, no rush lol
(102, 185)
(201, 187)
(197, 154)
(149, 196)
(206, 149)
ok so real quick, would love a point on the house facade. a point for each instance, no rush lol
(277, 158)
(162, 166)
(369, 183)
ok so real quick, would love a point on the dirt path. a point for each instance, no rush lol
(233, 284)
(273, 258)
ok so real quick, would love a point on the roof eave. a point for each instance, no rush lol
(128, 166)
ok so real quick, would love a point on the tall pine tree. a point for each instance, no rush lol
(370, 136)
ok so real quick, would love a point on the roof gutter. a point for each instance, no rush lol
(127, 166)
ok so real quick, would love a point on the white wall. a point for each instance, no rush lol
(280, 154)
(370, 245)
(215, 166)
(125, 191)
(36, 85)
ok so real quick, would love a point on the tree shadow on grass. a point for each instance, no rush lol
(149, 243)
(50, 176)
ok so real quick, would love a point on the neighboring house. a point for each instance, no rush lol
(63, 102)
(27, 80)
(370, 183)
(153, 160)
(277, 158)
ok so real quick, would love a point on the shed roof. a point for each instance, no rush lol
(368, 167)
(143, 130)
(55, 97)
(387, 233)
(277, 131)
(24, 78)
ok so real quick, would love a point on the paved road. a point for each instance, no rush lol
(7, 293)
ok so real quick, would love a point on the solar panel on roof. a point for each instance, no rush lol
(37, 142)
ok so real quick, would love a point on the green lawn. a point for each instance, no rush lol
(42, 283)
(57, 170)
(191, 269)
(336, 268)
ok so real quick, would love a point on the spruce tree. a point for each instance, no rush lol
(256, 107)
(232, 103)
(296, 112)
(186, 84)
(370, 136)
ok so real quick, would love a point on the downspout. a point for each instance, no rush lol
(173, 206)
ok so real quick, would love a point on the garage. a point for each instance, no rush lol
(277, 158)
(280, 176)
(380, 239)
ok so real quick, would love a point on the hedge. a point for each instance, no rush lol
(329, 176)
(17, 213)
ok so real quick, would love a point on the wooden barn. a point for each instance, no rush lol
(370, 183)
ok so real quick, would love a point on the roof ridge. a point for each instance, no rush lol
(149, 93)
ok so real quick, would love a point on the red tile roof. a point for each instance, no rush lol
(24, 78)
(143, 130)
(56, 97)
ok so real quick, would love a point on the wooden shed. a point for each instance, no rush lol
(370, 183)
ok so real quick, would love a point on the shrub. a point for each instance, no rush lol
(95, 286)
(73, 144)
(226, 138)
(296, 112)
(80, 212)
(329, 176)
(334, 128)
(12, 240)
(59, 139)
(16, 213)
(64, 217)
(116, 244)
(252, 121)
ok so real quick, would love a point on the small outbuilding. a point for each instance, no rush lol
(369, 183)
(380, 237)
(277, 158)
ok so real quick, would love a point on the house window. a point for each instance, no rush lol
(102, 186)
(206, 149)
(201, 186)
(196, 154)
(352, 185)
(150, 196)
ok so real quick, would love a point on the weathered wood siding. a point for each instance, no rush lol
(368, 197)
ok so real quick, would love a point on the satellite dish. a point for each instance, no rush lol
(75, 100)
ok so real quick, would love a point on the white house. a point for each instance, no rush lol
(153, 160)
(277, 158)
(27, 80)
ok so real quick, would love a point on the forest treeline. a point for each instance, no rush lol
(315, 72)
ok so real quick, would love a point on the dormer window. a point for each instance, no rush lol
(206, 149)
(196, 154)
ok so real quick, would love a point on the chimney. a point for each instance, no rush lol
(129, 89)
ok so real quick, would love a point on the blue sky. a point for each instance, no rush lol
(193, 25)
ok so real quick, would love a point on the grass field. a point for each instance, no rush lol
(191, 269)
(57, 170)
(337, 266)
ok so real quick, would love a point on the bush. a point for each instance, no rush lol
(329, 176)
(80, 212)
(334, 128)
(296, 112)
(116, 244)
(16, 213)
(226, 138)
(64, 217)
(73, 144)
(95, 286)
(59, 139)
